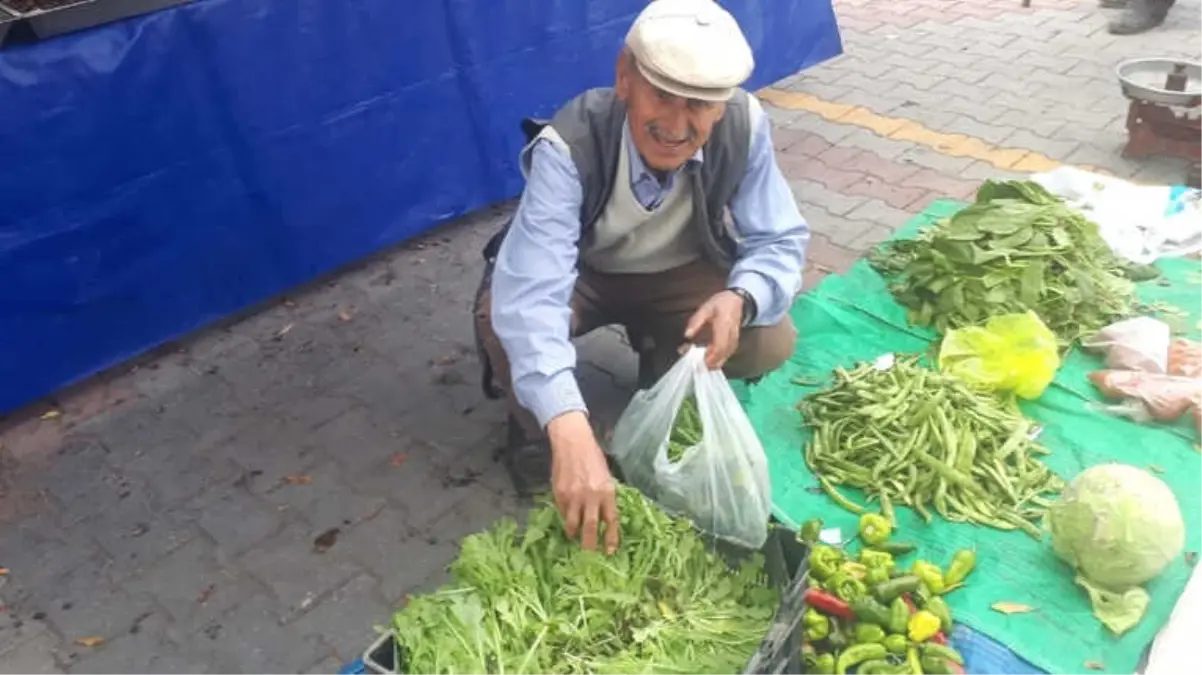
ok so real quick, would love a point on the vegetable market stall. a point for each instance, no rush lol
(164, 171)
(1024, 597)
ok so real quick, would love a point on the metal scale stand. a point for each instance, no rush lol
(1165, 115)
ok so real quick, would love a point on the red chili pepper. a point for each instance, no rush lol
(955, 667)
(828, 604)
(909, 603)
(940, 639)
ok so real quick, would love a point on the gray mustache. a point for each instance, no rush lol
(664, 137)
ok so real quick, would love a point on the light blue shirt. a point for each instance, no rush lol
(536, 266)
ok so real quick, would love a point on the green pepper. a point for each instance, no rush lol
(865, 633)
(962, 564)
(894, 588)
(846, 586)
(875, 529)
(810, 530)
(817, 626)
(824, 664)
(930, 574)
(871, 559)
(825, 561)
(934, 666)
(871, 611)
(899, 616)
(838, 638)
(922, 595)
(876, 667)
(895, 548)
(939, 608)
(930, 649)
(913, 663)
(896, 644)
(876, 575)
(857, 654)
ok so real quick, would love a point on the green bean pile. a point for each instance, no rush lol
(908, 435)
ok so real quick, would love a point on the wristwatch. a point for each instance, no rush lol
(749, 308)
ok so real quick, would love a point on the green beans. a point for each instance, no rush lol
(912, 437)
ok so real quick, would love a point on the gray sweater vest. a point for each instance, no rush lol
(591, 126)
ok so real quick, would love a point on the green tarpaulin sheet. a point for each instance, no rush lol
(853, 318)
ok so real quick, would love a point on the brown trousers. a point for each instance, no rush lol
(654, 308)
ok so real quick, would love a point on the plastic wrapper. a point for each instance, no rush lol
(1011, 352)
(1185, 359)
(1164, 397)
(721, 483)
(1140, 344)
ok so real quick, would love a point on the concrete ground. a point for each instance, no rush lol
(260, 496)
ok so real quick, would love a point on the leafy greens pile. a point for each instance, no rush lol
(1017, 248)
(686, 430)
(534, 602)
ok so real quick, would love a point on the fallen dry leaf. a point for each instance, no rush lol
(205, 594)
(398, 459)
(298, 479)
(1011, 608)
(283, 331)
(344, 316)
(1095, 665)
(3, 571)
(90, 641)
(326, 540)
(51, 414)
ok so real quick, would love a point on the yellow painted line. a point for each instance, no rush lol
(1022, 160)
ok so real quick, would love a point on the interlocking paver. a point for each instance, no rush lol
(182, 494)
(345, 621)
(250, 639)
(300, 566)
(236, 519)
(195, 584)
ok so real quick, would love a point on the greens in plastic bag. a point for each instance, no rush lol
(721, 482)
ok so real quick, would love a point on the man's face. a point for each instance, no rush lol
(667, 129)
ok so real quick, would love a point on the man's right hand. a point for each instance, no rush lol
(580, 481)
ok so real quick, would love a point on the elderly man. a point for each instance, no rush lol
(624, 221)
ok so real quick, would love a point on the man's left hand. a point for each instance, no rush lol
(718, 320)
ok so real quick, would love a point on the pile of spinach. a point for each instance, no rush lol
(531, 601)
(1017, 248)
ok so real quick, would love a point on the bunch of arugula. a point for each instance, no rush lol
(531, 601)
(1017, 248)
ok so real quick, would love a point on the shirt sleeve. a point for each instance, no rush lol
(772, 235)
(532, 286)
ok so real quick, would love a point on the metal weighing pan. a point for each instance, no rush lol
(1144, 80)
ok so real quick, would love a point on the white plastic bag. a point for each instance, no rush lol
(1140, 343)
(721, 483)
(1141, 223)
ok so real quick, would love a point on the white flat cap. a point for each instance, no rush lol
(691, 48)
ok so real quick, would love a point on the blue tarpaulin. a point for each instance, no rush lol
(165, 171)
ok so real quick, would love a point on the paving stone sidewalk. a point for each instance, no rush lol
(260, 496)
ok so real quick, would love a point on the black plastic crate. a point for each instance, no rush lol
(786, 562)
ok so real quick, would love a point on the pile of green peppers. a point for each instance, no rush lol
(868, 614)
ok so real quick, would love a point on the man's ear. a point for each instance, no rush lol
(622, 81)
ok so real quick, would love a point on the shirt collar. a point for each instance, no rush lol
(638, 169)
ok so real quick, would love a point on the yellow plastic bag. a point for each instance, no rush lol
(1012, 352)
